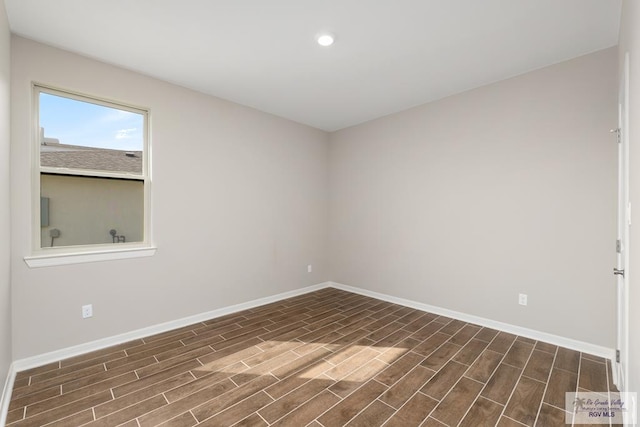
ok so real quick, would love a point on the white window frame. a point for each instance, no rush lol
(60, 255)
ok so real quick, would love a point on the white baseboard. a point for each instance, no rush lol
(607, 353)
(65, 353)
(43, 359)
(5, 397)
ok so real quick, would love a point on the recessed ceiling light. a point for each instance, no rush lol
(325, 39)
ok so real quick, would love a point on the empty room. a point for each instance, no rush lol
(339, 213)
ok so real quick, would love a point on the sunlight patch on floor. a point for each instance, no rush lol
(341, 362)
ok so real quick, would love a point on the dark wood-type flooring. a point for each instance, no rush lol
(328, 358)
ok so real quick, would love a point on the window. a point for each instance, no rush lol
(91, 191)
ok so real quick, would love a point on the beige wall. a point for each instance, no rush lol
(461, 203)
(239, 209)
(5, 225)
(465, 202)
(630, 42)
(85, 209)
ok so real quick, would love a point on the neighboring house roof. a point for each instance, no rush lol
(77, 157)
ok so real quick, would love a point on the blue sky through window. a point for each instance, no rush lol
(82, 123)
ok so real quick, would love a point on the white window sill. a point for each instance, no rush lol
(49, 260)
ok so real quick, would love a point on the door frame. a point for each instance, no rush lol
(620, 371)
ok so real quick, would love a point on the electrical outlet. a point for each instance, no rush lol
(87, 311)
(522, 299)
(309, 268)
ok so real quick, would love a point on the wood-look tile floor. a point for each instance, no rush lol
(328, 358)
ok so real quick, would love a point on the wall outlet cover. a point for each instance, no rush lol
(522, 299)
(87, 311)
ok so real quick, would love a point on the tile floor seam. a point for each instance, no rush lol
(407, 401)
(425, 339)
(150, 397)
(127, 407)
(564, 370)
(472, 379)
(224, 408)
(447, 394)
(554, 406)
(513, 366)
(438, 421)
(515, 386)
(362, 384)
(291, 411)
(500, 362)
(51, 422)
(435, 350)
(514, 420)
(296, 388)
(361, 410)
(436, 373)
(473, 403)
(60, 419)
(234, 383)
(262, 418)
(346, 361)
(400, 407)
(265, 390)
(411, 370)
(382, 361)
(333, 365)
(544, 351)
(594, 361)
(95, 361)
(546, 386)
(332, 392)
(492, 401)
(462, 348)
(53, 409)
(26, 405)
(533, 379)
(317, 418)
(189, 411)
(391, 407)
(163, 421)
(573, 415)
(377, 399)
(273, 367)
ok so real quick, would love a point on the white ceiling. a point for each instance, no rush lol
(389, 55)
